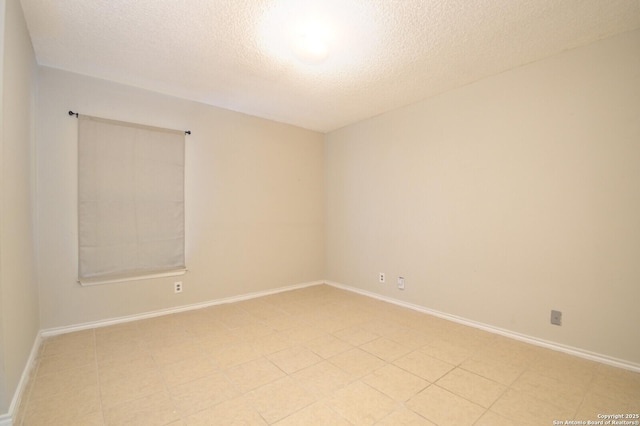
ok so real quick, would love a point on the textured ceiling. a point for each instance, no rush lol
(382, 54)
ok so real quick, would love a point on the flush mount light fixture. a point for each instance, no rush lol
(329, 34)
(311, 41)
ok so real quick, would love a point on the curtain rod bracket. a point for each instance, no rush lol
(187, 132)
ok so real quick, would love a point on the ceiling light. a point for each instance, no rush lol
(311, 41)
(335, 34)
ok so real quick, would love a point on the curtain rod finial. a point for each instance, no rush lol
(73, 113)
(187, 132)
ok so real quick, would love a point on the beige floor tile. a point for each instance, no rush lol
(550, 390)
(252, 331)
(385, 349)
(253, 374)
(132, 386)
(62, 382)
(216, 341)
(92, 419)
(260, 309)
(237, 319)
(279, 399)
(70, 342)
(361, 404)
(356, 362)
(116, 370)
(110, 348)
(506, 351)
(157, 325)
(405, 417)
(62, 361)
(424, 366)
(234, 354)
(617, 384)
(321, 379)
(316, 414)
(444, 408)
(62, 407)
(281, 322)
(280, 299)
(327, 346)
(187, 370)
(234, 412)
(155, 409)
(201, 327)
(594, 404)
(189, 398)
(294, 308)
(294, 358)
(381, 326)
(444, 350)
(163, 339)
(565, 368)
(302, 333)
(477, 389)
(325, 322)
(171, 353)
(355, 335)
(492, 419)
(431, 330)
(527, 410)
(409, 338)
(271, 343)
(395, 382)
(470, 337)
(505, 374)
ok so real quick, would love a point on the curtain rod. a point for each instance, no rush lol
(71, 113)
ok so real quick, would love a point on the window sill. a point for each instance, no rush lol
(85, 282)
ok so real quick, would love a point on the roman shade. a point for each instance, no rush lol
(130, 201)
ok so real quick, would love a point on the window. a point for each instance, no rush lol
(130, 201)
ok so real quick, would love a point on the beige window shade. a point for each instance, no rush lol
(130, 200)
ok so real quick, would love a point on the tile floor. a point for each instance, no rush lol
(317, 355)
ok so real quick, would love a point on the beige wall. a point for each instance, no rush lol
(18, 290)
(254, 201)
(504, 199)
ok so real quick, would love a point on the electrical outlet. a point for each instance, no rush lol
(401, 283)
(177, 287)
(381, 277)
(556, 317)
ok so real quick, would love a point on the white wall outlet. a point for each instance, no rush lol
(177, 287)
(401, 283)
(381, 277)
(556, 317)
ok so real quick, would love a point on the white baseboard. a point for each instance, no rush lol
(604, 359)
(104, 323)
(7, 419)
